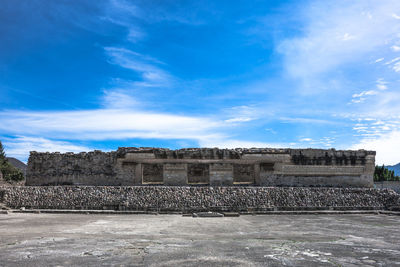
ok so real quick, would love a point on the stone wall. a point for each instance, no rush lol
(394, 185)
(205, 166)
(163, 198)
(95, 167)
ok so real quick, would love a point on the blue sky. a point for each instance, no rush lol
(84, 75)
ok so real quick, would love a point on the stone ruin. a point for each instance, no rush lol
(255, 180)
(131, 166)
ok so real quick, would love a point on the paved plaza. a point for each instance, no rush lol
(171, 240)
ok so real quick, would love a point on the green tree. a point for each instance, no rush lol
(383, 174)
(3, 158)
(10, 173)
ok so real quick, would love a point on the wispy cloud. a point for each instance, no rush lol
(325, 141)
(131, 15)
(119, 99)
(153, 12)
(358, 98)
(339, 41)
(106, 124)
(232, 143)
(308, 120)
(242, 113)
(381, 85)
(147, 73)
(112, 124)
(339, 32)
(20, 146)
(148, 68)
(395, 48)
(336, 70)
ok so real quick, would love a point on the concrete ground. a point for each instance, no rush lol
(171, 240)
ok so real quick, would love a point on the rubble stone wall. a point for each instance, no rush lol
(394, 185)
(204, 166)
(95, 167)
(176, 198)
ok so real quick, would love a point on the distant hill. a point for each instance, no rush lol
(395, 168)
(18, 164)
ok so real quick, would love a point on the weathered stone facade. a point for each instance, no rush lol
(200, 198)
(204, 166)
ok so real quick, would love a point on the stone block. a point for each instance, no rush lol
(221, 174)
(322, 170)
(138, 156)
(175, 174)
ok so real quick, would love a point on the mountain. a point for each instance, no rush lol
(395, 168)
(17, 164)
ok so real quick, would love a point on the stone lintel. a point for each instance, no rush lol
(138, 156)
(267, 157)
(320, 170)
(205, 161)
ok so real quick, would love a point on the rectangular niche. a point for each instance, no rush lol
(243, 174)
(267, 167)
(152, 173)
(198, 173)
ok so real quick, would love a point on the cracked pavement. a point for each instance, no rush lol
(170, 240)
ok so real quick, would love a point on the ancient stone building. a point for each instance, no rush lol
(204, 167)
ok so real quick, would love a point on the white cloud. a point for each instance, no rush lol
(102, 124)
(361, 97)
(379, 60)
(19, 146)
(395, 16)
(119, 99)
(340, 32)
(232, 143)
(364, 93)
(348, 36)
(46, 131)
(392, 61)
(125, 7)
(125, 14)
(242, 113)
(395, 48)
(131, 15)
(383, 106)
(135, 35)
(307, 120)
(381, 135)
(396, 67)
(152, 75)
(381, 84)
(317, 142)
(358, 100)
(240, 119)
(387, 147)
